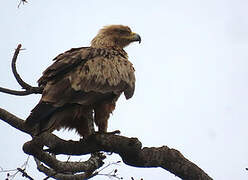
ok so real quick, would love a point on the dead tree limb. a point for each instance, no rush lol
(28, 88)
(14, 121)
(13, 66)
(14, 92)
(24, 174)
(129, 149)
(94, 163)
(22, 2)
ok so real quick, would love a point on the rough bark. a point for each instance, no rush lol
(130, 150)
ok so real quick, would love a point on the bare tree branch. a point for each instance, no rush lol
(130, 149)
(22, 2)
(69, 175)
(28, 88)
(13, 66)
(51, 173)
(14, 92)
(111, 174)
(59, 166)
(24, 174)
(21, 169)
(14, 121)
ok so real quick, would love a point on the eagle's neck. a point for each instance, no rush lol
(101, 41)
(108, 44)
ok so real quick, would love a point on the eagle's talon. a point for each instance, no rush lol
(116, 132)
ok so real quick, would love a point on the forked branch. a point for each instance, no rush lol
(22, 2)
(28, 88)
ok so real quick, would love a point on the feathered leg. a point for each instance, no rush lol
(102, 112)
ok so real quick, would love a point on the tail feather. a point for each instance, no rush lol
(41, 114)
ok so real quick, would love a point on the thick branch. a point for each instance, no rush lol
(51, 173)
(169, 159)
(34, 148)
(14, 121)
(130, 149)
(94, 163)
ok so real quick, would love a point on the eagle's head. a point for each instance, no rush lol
(114, 36)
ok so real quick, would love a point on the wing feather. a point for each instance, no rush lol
(84, 70)
(104, 75)
(64, 63)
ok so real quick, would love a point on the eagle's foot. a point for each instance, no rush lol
(116, 132)
(89, 137)
(86, 137)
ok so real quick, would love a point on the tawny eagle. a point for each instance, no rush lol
(86, 80)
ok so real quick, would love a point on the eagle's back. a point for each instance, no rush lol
(88, 70)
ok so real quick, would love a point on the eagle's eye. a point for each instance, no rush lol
(123, 31)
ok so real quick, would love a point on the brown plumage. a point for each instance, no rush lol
(86, 81)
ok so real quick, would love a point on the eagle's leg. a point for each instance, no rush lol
(90, 122)
(84, 121)
(102, 112)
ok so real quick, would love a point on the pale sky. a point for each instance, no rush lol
(191, 71)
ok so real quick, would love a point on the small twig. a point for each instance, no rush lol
(4, 171)
(12, 176)
(17, 170)
(111, 174)
(68, 158)
(22, 2)
(24, 174)
(25, 163)
(46, 178)
(113, 163)
(133, 178)
(8, 173)
(13, 66)
(17, 93)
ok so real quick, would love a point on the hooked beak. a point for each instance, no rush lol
(136, 37)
